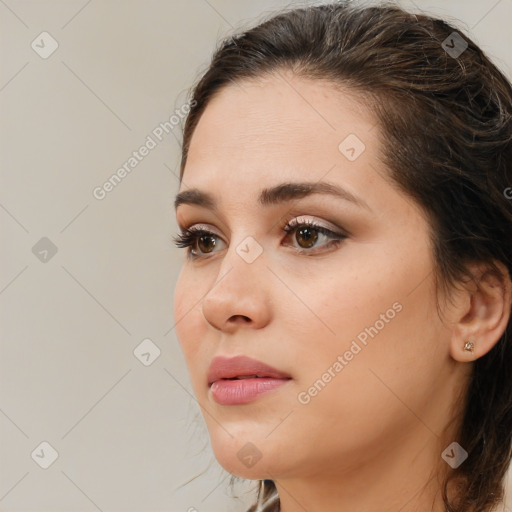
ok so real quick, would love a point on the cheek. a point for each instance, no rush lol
(180, 302)
(378, 320)
(378, 390)
(339, 302)
(187, 314)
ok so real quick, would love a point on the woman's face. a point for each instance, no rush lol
(352, 322)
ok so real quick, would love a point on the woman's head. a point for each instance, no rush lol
(366, 290)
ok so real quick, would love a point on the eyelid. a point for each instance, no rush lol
(298, 220)
(336, 235)
(200, 227)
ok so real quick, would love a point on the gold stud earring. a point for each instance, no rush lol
(469, 346)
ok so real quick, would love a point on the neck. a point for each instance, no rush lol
(400, 477)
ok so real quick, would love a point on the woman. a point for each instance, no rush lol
(345, 305)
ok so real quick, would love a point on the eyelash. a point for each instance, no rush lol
(189, 237)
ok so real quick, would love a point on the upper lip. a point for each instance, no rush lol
(229, 367)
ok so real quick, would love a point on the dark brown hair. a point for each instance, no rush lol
(446, 137)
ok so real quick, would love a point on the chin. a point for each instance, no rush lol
(238, 455)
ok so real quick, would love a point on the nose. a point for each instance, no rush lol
(240, 295)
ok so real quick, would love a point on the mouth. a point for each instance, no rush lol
(240, 380)
(245, 377)
(242, 368)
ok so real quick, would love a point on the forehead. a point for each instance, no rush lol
(256, 136)
(277, 114)
(281, 127)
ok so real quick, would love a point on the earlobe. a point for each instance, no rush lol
(481, 320)
(469, 346)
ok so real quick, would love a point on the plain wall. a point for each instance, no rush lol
(127, 435)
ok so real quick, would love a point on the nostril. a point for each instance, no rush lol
(240, 318)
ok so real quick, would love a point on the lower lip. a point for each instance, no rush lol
(243, 391)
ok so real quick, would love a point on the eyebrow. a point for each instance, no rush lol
(281, 193)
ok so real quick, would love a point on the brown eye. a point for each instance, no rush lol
(306, 237)
(200, 242)
(206, 243)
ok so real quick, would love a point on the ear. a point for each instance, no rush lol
(481, 313)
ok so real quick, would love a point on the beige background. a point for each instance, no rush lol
(127, 435)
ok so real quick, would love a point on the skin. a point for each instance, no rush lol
(373, 437)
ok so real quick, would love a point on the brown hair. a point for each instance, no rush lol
(446, 141)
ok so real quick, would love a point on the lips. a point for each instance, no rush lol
(241, 367)
(241, 380)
